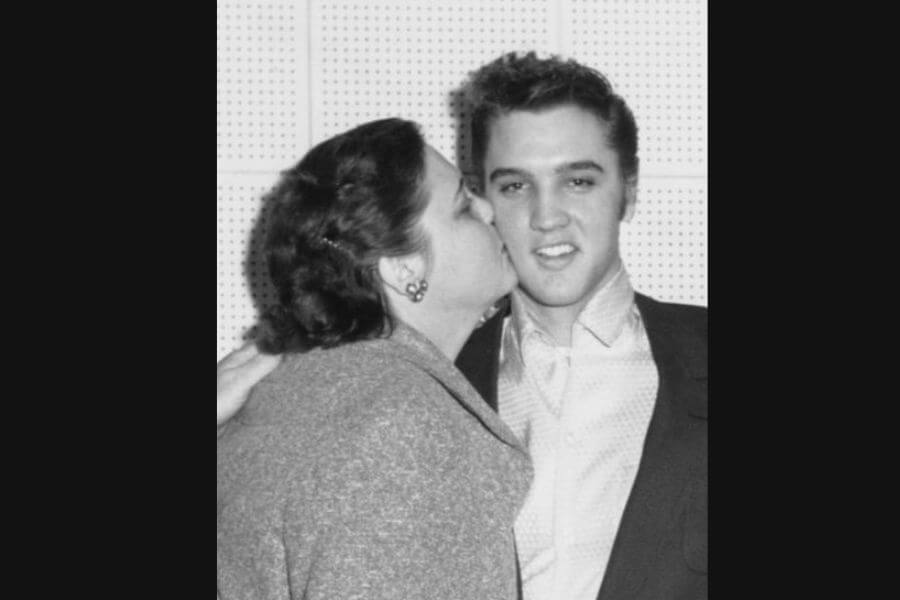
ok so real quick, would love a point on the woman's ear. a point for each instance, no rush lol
(397, 272)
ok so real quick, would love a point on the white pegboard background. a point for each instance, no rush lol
(262, 75)
(665, 244)
(381, 58)
(292, 73)
(242, 284)
(654, 53)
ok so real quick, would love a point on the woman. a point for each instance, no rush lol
(365, 465)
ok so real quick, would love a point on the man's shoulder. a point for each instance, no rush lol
(682, 328)
(673, 315)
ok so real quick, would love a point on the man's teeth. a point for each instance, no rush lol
(557, 250)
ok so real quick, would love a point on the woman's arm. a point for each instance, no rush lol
(235, 375)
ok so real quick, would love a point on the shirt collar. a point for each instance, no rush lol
(604, 315)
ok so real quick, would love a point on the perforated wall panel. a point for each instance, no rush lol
(291, 74)
(665, 244)
(262, 84)
(380, 58)
(655, 55)
(262, 127)
(242, 284)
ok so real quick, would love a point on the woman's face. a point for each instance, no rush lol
(469, 265)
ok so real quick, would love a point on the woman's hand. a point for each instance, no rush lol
(236, 374)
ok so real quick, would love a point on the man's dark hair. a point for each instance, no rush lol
(351, 200)
(526, 82)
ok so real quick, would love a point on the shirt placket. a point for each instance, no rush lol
(568, 456)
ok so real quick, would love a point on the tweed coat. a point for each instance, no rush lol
(371, 470)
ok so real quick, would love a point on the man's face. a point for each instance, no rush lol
(558, 196)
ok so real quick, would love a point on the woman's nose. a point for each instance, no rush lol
(484, 209)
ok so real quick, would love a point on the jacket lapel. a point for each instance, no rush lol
(674, 450)
(479, 359)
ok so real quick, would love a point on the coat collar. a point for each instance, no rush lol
(480, 357)
(677, 349)
(409, 344)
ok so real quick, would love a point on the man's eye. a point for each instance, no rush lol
(512, 188)
(581, 182)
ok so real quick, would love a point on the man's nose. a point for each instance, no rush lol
(547, 213)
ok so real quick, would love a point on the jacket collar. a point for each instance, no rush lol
(676, 349)
(479, 359)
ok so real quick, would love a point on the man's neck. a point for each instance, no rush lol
(557, 321)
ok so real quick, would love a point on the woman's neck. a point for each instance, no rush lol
(449, 333)
(446, 329)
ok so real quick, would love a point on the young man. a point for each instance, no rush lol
(606, 387)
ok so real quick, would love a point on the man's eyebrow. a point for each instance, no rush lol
(579, 165)
(505, 171)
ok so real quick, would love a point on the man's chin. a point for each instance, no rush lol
(555, 298)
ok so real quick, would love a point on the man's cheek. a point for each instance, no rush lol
(507, 227)
(506, 214)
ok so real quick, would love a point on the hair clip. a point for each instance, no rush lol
(337, 246)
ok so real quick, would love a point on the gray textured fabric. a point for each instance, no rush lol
(372, 470)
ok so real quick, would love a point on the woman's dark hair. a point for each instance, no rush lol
(351, 200)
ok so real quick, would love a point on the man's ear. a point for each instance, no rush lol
(630, 200)
(399, 271)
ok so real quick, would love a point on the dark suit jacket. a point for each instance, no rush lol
(660, 549)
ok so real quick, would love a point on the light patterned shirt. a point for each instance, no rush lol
(583, 414)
